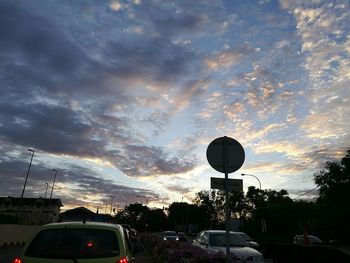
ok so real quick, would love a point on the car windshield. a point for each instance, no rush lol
(245, 237)
(73, 243)
(219, 239)
(170, 233)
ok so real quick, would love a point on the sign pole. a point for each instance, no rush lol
(226, 155)
(227, 208)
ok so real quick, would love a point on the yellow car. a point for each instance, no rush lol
(78, 242)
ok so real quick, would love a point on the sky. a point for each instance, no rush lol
(123, 98)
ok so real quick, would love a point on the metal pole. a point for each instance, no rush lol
(30, 164)
(47, 185)
(254, 177)
(227, 207)
(25, 183)
(53, 184)
(263, 222)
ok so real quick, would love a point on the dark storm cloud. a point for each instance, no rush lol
(44, 67)
(13, 172)
(154, 59)
(60, 130)
(143, 160)
(90, 184)
(33, 51)
(37, 53)
(49, 128)
(79, 181)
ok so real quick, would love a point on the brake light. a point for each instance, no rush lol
(123, 260)
(17, 260)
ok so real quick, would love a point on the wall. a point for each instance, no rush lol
(14, 235)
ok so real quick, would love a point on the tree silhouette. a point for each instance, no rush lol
(334, 183)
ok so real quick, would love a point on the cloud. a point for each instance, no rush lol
(228, 58)
(73, 184)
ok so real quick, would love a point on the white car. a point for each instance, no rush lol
(249, 240)
(214, 241)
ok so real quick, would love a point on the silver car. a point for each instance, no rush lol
(214, 241)
(249, 240)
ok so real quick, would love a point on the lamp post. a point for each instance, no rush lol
(30, 164)
(53, 184)
(47, 186)
(148, 218)
(25, 183)
(147, 198)
(263, 222)
(254, 177)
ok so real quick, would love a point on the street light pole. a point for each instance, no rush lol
(254, 177)
(147, 199)
(47, 185)
(25, 183)
(30, 164)
(263, 222)
(53, 184)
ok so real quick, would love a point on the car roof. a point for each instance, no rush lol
(83, 224)
(218, 231)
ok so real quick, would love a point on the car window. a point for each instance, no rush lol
(205, 238)
(170, 233)
(73, 243)
(245, 236)
(200, 236)
(219, 239)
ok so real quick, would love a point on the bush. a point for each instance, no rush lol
(176, 252)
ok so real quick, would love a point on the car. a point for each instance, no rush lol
(306, 240)
(82, 242)
(132, 231)
(170, 236)
(214, 241)
(249, 240)
(182, 237)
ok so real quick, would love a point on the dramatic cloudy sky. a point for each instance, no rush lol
(123, 97)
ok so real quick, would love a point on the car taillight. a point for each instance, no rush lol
(123, 260)
(17, 260)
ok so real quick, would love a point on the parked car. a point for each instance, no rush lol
(182, 237)
(249, 240)
(302, 240)
(214, 241)
(132, 231)
(170, 236)
(78, 242)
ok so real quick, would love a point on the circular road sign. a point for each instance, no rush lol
(225, 154)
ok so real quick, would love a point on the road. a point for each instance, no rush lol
(8, 254)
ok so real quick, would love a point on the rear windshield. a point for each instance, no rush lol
(74, 243)
(219, 239)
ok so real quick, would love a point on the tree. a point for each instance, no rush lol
(136, 215)
(157, 220)
(334, 183)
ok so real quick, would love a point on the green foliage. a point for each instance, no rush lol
(334, 183)
(136, 215)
